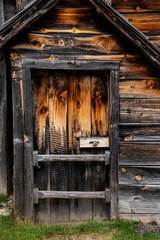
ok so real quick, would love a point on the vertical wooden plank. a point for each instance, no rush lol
(114, 142)
(58, 142)
(40, 111)
(100, 125)
(79, 124)
(58, 112)
(41, 139)
(1, 13)
(42, 210)
(18, 135)
(100, 105)
(79, 109)
(3, 127)
(28, 143)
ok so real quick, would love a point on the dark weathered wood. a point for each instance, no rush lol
(72, 195)
(139, 199)
(70, 65)
(18, 140)
(35, 158)
(3, 128)
(32, 12)
(28, 144)
(128, 31)
(139, 175)
(114, 141)
(139, 133)
(20, 4)
(1, 13)
(139, 110)
(136, 154)
(75, 158)
(9, 9)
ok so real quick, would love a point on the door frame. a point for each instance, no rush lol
(23, 167)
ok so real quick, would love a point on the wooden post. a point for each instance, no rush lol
(3, 124)
(28, 144)
(1, 12)
(114, 142)
(18, 171)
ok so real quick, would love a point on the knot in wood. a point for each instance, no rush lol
(43, 110)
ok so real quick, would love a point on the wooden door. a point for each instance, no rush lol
(69, 105)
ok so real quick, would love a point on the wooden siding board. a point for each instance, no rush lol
(136, 6)
(139, 175)
(139, 200)
(135, 154)
(139, 110)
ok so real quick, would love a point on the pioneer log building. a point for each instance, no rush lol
(80, 108)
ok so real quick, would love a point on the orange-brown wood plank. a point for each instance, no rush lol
(136, 5)
(148, 23)
(100, 104)
(79, 109)
(58, 112)
(40, 79)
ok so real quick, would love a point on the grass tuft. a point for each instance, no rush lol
(3, 198)
(119, 229)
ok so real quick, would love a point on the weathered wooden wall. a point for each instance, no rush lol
(74, 30)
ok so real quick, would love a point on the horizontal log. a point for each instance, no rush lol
(139, 176)
(142, 155)
(74, 158)
(132, 67)
(147, 23)
(139, 133)
(136, 6)
(139, 110)
(108, 43)
(70, 65)
(139, 88)
(71, 195)
(139, 199)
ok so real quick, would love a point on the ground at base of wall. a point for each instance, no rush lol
(13, 227)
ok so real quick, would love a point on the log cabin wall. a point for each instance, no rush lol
(74, 30)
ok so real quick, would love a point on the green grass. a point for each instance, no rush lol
(3, 198)
(12, 229)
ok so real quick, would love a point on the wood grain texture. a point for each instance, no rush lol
(40, 82)
(100, 105)
(79, 109)
(135, 133)
(139, 89)
(136, 6)
(1, 12)
(135, 154)
(139, 110)
(28, 144)
(18, 145)
(58, 112)
(139, 176)
(139, 200)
